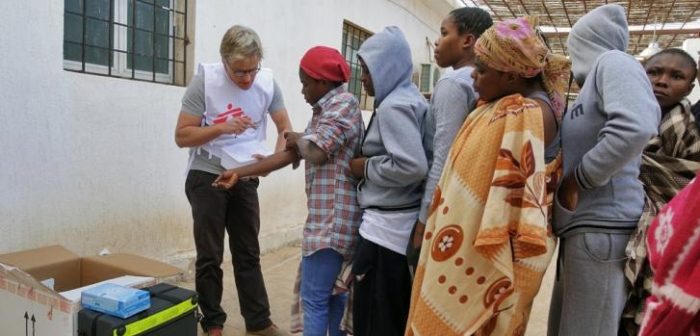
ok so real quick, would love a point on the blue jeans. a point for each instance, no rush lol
(322, 311)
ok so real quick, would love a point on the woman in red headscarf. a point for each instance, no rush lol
(331, 139)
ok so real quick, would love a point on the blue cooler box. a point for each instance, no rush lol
(116, 300)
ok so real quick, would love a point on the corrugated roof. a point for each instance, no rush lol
(673, 20)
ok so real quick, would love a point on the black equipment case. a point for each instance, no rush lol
(173, 312)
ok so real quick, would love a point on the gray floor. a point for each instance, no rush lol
(280, 267)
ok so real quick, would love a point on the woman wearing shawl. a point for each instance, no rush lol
(674, 254)
(487, 242)
(669, 162)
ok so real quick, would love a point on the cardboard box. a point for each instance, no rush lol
(28, 307)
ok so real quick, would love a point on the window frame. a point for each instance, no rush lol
(353, 43)
(119, 39)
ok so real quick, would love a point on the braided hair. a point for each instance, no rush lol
(471, 20)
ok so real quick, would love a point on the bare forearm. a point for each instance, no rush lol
(268, 164)
(357, 167)
(279, 146)
(283, 125)
(192, 136)
(311, 153)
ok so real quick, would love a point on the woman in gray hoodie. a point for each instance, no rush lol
(392, 167)
(600, 200)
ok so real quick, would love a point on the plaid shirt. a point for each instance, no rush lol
(334, 215)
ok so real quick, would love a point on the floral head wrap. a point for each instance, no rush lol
(513, 45)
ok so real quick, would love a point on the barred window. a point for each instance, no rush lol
(353, 36)
(134, 39)
(425, 77)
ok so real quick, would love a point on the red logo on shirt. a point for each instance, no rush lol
(231, 112)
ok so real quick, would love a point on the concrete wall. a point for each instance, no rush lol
(89, 161)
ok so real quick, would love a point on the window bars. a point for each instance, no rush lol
(135, 39)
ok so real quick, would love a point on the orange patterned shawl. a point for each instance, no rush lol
(488, 240)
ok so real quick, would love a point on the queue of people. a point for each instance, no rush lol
(441, 217)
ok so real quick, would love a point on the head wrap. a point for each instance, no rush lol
(325, 63)
(513, 45)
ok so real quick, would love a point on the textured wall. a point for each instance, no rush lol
(89, 161)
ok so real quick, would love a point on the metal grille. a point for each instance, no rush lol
(135, 39)
(425, 78)
(353, 36)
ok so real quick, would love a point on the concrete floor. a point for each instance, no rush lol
(279, 269)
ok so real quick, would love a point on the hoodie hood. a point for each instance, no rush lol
(601, 30)
(388, 59)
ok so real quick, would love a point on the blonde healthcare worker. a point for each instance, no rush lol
(227, 103)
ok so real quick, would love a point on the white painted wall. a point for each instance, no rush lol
(692, 46)
(89, 161)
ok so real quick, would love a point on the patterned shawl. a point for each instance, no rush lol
(669, 162)
(487, 239)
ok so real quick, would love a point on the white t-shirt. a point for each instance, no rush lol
(389, 229)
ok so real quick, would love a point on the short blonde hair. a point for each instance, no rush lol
(240, 42)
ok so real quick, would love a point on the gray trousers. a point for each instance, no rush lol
(589, 290)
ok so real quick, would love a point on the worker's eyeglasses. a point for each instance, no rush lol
(242, 73)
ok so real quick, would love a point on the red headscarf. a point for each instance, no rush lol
(325, 63)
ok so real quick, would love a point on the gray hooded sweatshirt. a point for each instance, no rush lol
(397, 163)
(606, 129)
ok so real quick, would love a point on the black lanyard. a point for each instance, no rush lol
(568, 92)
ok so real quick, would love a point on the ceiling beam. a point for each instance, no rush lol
(556, 30)
(486, 2)
(472, 1)
(665, 31)
(646, 22)
(525, 8)
(563, 5)
(690, 15)
(510, 9)
(668, 13)
(663, 23)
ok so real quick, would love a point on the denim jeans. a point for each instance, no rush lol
(322, 310)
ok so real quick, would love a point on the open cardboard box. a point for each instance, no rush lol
(28, 307)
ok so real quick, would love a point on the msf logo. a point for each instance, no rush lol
(577, 111)
(231, 112)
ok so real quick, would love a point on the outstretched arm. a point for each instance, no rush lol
(268, 164)
(296, 148)
(228, 178)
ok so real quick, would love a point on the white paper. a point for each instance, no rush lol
(241, 153)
